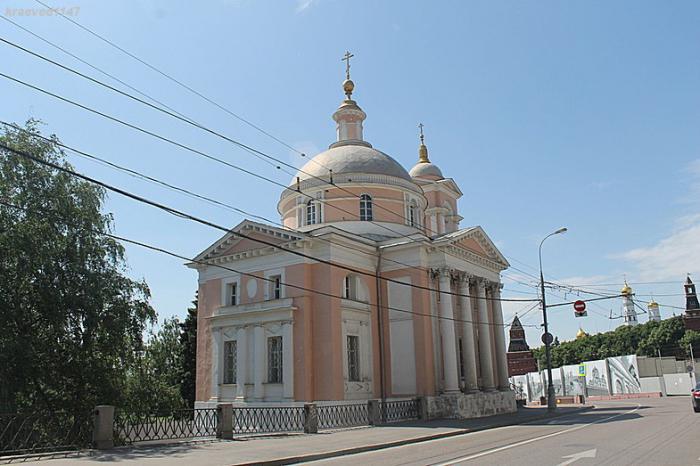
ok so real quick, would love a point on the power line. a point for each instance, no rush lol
(172, 113)
(247, 274)
(174, 80)
(208, 223)
(157, 181)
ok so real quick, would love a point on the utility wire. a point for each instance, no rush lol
(168, 111)
(174, 80)
(208, 223)
(216, 202)
(247, 274)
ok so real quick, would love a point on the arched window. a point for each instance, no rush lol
(366, 207)
(311, 213)
(413, 214)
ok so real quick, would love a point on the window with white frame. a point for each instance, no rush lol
(312, 213)
(366, 207)
(353, 348)
(350, 287)
(230, 353)
(233, 294)
(274, 360)
(275, 287)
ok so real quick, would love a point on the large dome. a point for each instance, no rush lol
(348, 159)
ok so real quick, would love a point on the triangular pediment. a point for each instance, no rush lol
(474, 240)
(248, 236)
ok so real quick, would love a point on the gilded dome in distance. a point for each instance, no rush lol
(581, 333)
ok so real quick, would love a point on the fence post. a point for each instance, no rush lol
(374, 412)
(224, 421)
(310, 418)
(423, 409)
(103, 427)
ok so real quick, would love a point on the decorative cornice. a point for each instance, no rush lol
(349, 179)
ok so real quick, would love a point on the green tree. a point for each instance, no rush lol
(72, 321)
(188, 343)
(691, 338)
(153, 383)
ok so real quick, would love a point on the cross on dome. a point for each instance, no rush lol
(346, 58)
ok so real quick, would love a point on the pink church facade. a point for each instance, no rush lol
(368, 289)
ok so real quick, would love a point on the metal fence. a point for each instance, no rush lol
(23, 433)
(400, 410)
(268, 420)
(179, 424)
(343, 415)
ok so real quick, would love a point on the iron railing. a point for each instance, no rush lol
(178, 424)
(399, 410)
(343, 415)
(267, 420)
(23, 433)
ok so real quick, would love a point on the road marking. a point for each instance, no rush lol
(535, 439)
(577, 456)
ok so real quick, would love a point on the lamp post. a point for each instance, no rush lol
(551, 395)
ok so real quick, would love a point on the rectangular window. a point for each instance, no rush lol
(274, 360)
(275, 287)
(233, 294)
(353, 358)
(230, 354)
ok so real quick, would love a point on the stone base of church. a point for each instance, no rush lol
(470, 405)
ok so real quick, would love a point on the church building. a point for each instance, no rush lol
(368, 289)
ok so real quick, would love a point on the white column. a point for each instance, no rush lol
(500, 340)
(216, 360)
(365, 352)
(287, 360)
(447, 329)
(468, 341)
(241, 361)
(259, 355)
(484, 338)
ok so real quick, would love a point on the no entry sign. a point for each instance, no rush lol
(580, 309)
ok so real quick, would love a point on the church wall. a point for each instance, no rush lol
(209, 299)
(493, 329)
(304, 376)
(326, 324)
(422, 330)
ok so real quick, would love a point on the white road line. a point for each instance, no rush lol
(525, 442)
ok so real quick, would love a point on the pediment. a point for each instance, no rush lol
(248, 236)
(474, 240)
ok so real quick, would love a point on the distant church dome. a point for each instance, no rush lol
(425, 168)
(581, 333)
(626, 289)
(351, 158)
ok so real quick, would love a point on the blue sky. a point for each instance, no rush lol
(547, 114)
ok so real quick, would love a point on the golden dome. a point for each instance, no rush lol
(348, 87)
(581, 333)
(626, 289)
(653, 303)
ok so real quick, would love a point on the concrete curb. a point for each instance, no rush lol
(398, 443)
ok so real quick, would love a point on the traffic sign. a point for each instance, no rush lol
(547, 338)
(581, 370)
(580, 309)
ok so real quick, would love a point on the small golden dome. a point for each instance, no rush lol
(653, 303)
(581, 333)
(348, 87)
(626, 289)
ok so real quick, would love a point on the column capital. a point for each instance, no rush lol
(480, 283)
(286, 322)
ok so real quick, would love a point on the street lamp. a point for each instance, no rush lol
(551, 395)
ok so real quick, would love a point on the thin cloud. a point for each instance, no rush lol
(303, 5)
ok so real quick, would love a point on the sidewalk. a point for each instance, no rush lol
(288, 449)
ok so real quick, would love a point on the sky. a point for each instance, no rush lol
(545, 113)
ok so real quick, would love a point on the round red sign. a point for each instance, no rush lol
(579, 306)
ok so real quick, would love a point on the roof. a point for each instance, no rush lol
(351, 158)
(426, 169)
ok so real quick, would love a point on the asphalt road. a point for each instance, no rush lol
(662, 431)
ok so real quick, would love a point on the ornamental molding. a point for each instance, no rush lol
(347, 179)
